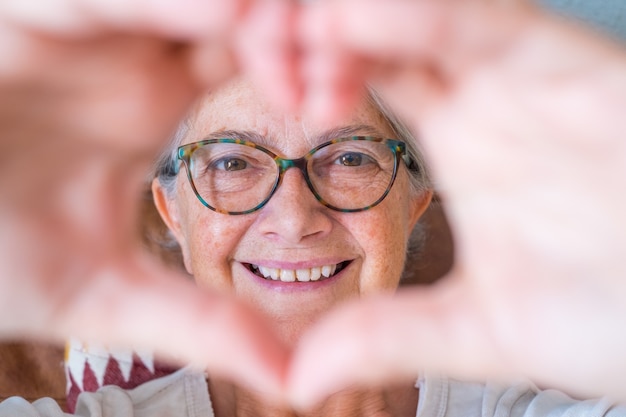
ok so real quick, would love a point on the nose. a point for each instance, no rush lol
(293, 215)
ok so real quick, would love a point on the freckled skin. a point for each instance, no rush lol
(293, 226)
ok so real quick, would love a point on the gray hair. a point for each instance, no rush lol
(419, 173)
(165, 168)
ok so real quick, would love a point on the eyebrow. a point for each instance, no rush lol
(325, 136)
(346, 131)
(248, 135)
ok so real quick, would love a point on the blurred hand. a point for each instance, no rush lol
(89, 91)
(522, 118)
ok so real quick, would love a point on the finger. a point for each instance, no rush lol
(268, 53)
(183, 19)
(146, 307)
(411, 29)
(212, 62)
(336, 81)
(333, 79)
(389, 339)
(334, 85)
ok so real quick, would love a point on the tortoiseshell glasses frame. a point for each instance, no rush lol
(349, 174)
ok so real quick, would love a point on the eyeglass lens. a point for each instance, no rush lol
(347, 175)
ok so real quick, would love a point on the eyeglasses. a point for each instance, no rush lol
(235, 176)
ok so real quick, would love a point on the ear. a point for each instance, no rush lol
(169, 212)
(419, 204)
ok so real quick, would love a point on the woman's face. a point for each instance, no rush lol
(293, 231)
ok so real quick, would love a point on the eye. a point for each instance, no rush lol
(230, 164)
(351, 159)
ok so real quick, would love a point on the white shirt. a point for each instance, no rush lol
(185, 394)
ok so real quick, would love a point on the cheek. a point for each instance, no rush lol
(211, 239)
(210, 253)
(383, 236)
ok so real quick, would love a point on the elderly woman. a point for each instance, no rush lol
(294, 218)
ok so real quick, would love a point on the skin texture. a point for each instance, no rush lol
(294, 231)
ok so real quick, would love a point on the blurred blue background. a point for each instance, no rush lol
(607, 16)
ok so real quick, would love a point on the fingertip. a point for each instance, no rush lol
(310, 381)
(262, 359)
(268, 53)
(316, 24)
(304, 386)
(212, 63)
(304, 391)
(320, 106)
(333, 86)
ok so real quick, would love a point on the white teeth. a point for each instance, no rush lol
(316, 273)
(303, 275)
(327, 270)
(265, 271)
(287, 275)
(274, 273)
(290, 275)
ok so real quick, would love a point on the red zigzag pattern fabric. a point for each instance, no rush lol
(89, 367)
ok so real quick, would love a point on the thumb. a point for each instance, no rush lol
(143, 305)
(386, 339)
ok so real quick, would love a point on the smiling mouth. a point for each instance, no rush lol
(318, 273)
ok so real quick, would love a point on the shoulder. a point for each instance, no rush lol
(448, 398)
